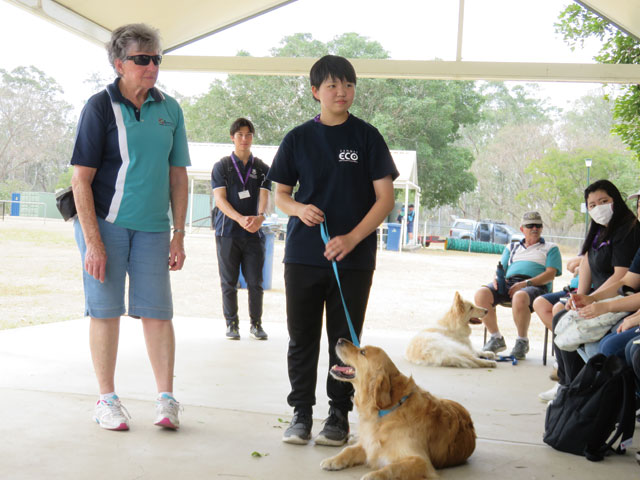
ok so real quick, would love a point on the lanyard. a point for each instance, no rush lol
(324, 233)
(246, 177)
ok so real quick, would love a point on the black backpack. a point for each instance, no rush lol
(583, 416)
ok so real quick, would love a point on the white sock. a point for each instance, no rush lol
(165, 395)
(108, 396)
(496, 335)
(526, 339)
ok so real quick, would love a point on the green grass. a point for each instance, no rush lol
(37, 237)
(11, 290)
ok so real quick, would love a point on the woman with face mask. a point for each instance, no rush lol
(608, 250)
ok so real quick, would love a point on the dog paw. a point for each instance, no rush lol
(489, 355)
(331, 464)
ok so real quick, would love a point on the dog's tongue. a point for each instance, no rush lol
(344, 370)
(475, 321)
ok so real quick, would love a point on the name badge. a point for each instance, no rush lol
(244, 194)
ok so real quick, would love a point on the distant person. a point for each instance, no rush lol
(130, 158)
(410, 217)
(345, 174)
(400, 215)
(530, 267)
(241, 192)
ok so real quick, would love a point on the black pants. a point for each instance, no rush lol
(308, 290)
(248, 253)
(569, 363)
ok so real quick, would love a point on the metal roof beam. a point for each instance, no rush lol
(414, 69)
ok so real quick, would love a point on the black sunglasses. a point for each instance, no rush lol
(532, 225)
(145, 59)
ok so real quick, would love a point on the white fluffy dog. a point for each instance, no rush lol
(447, 344)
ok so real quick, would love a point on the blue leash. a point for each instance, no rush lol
(507, 358)
(325, 238)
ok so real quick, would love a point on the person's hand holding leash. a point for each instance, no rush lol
(310, 215)
(338, 247)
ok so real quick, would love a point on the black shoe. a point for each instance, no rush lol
(299, 431)
(258, 332)
(336, 429)
(232, 331)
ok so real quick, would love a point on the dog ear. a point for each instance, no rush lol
(382, 390)
(458, 302)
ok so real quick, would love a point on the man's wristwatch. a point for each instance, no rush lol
(262, 215)
(529, 283)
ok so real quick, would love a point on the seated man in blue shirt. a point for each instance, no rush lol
(530, 267)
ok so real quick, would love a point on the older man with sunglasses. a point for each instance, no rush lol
(130, 159)
(529, 269)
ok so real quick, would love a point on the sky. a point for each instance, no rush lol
(495, 30)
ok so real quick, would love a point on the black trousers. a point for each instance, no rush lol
(308, 290)
(569, 363)
(232, 254)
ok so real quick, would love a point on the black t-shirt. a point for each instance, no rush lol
(224, 174)
(618, 251)
(335, 167)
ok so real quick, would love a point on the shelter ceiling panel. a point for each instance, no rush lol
(179, 22)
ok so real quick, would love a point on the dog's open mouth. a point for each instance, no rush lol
(475, 321)
(346, 372)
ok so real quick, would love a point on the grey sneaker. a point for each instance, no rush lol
(299, 431)
(520, 349)
(258, 332)
(495, 345)
(336, 429)
(232, 331)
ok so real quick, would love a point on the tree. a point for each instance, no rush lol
(559, 179)
(425, 116)
(35, 131)
(578, 24)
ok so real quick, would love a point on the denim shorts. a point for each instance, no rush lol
(142, 255)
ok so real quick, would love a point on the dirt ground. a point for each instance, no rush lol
(40, 281)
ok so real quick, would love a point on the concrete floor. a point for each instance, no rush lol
(234, 399)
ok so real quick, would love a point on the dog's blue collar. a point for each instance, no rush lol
(382, 413)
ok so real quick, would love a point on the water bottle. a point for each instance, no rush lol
(502, 286)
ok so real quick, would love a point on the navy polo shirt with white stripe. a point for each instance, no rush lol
(132, 151)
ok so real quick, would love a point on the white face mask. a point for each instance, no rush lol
(602, 214)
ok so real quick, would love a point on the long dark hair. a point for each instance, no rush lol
(622, 217)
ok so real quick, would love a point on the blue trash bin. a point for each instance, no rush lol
(393, 236)
(267, 268)
(15, 207)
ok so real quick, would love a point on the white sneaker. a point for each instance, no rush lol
(549, 395)
(167, 409)
(111, 414)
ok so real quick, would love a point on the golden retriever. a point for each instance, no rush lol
(447, 343)
(404, 431)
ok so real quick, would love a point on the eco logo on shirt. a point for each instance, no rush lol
(348, 156)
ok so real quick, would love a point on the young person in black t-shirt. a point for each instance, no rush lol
(345, 175)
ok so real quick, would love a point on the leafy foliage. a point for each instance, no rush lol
(35, 131)
(577, 24)
(425, 116)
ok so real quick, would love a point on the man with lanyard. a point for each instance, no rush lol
(241, 193)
